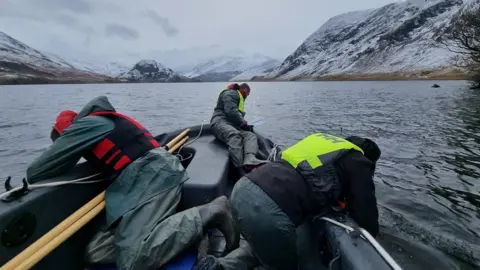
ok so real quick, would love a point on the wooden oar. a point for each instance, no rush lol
(45, 245)
(176, 139)
(59, 239)
(42, 241)
(176, 146)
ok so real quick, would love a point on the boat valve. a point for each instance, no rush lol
(18, 192)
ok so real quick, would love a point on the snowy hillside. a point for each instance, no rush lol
(112, 69)
(398, 37)
(257, 70)
(152, 71)
(14, 51)
(224, 68)
(20, 63)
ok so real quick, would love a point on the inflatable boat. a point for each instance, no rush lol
(332, 242)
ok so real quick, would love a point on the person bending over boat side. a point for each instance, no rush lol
(229, 126)
(143, 229)
(312, 176)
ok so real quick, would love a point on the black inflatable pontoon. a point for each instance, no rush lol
(25, 218)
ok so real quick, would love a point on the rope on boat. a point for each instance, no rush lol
(274, 152)
(368, 237)
(190, 142)
(53, 184)
(82, 180)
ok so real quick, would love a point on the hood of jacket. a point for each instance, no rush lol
(100, 103)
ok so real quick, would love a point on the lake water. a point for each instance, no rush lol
(427, 180)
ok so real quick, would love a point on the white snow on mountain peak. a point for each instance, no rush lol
(151, 63)
(12, 50)
(398, 37)
(231, 65)
(152, 71)
(257, 70)
(111, 69)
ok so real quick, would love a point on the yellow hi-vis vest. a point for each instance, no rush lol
(241, 104)
(316, 150)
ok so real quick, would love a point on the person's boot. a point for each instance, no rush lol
(252, 160)
(218, 214)
(208, 262)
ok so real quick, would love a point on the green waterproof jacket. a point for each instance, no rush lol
(140, 183)
(227, 109)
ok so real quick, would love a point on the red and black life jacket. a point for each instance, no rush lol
(128, 141)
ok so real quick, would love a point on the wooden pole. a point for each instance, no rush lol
(176, 146)
(29, 251)
(44, 245)
(176, 139)
(59, 239)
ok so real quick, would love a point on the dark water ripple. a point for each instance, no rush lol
(427, 181)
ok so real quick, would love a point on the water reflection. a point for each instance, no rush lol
(427, 180)
(462, 133)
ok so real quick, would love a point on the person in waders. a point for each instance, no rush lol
(317, 173)
(229, 126)
(143, 230)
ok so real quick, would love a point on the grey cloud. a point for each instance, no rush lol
(168, 29)
(66, 20)
(77, 6)
(122, 31)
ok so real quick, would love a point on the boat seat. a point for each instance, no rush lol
(208, 172)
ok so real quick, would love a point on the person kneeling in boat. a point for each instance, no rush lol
(229, 126)
(310, 178)
(143, 229)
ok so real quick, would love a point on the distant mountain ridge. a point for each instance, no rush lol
(152, 71)
(20, 63)
(257, 70)
(111, 69)
(397, 38)
(225, 68)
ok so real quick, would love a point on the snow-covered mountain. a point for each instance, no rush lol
(257, 70)
(14, 51)
(112, 69)
(224, 68)
(399, 37)
(21, 63)
(152, 71)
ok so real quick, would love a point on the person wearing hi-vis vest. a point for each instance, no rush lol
(306, 180)
(229, 126)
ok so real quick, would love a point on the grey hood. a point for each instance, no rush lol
(100, 103)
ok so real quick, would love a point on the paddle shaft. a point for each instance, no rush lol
(46, 243)
(176, 139)
(59, 239)
(42, 241)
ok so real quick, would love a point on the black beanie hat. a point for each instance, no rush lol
(369, 147)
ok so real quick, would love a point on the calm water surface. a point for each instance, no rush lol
(427, 180)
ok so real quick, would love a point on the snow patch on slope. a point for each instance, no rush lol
(152, 71)
(257, 70)
(12, 50)
(397, 37)
(229, 65)
(112, 69)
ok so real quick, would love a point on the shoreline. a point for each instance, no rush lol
(434, 75)
(439, 75)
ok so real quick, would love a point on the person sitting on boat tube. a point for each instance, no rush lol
(143, 229)
(317, 173)
(229, 126)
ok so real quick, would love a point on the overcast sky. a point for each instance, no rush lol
(119, 29)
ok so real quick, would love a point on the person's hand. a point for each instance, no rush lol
(245, 126)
